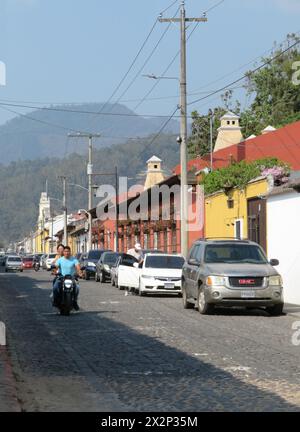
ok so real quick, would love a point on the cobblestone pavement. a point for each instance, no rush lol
(144, 354)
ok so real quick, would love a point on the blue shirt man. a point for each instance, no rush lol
(67, 266)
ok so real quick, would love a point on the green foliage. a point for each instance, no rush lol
(275, 100)
(239, 174)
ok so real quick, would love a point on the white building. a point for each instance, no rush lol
(283, 233)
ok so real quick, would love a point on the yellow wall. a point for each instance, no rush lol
(219, 219)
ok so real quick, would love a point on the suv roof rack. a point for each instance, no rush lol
(224, 239)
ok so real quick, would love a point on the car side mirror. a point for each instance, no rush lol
(274, 262)
(194, 262)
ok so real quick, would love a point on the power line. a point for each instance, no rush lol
(174, 59)
(134, 61)
(245, 75)
(138, 74)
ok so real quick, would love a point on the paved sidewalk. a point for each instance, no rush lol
(292, 310)
(8, 393)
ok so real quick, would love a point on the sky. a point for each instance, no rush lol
(65, 51)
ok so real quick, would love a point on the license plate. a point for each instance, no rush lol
(248, 294)
(169, 285)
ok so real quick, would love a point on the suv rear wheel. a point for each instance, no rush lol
(203, 307)
(186, 303)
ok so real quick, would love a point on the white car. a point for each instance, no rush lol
(49, 260)
(158, 274)
(13, 263)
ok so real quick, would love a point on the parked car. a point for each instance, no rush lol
(231, 273)
(13, 263)
(28, 262)
(48, 261)
(124, 260)
(104, 265)
(159, 273)
(88, 264)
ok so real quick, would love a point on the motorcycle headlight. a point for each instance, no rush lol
(68, 284)
(275, 280)
(215, 281)
(91, 264)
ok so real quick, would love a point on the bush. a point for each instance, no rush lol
(239, 174)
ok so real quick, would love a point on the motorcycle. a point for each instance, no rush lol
(67, 294)
(37, 266)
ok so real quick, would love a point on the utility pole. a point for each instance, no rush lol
(211, 119)
(64, 180)
(183, 123)
(90, 137)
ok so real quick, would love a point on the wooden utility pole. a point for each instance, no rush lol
(90, 136)
(183, 123)
(64, 180)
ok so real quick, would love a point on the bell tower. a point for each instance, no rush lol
(154, 172)
(229, 133)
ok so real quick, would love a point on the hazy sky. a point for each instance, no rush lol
(60, 51)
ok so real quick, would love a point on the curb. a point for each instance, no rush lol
(8, 387)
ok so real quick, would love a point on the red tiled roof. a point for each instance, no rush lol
(284, 144)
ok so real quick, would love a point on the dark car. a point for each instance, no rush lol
(104, 266)
(89, 261)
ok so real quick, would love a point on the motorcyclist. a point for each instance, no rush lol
(66, 265)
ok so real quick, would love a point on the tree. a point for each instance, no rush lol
(276, 98)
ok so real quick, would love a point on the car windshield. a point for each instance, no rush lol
(160, 262)
(110, 258)
(234, 253)
(14, 259)
(95, 254)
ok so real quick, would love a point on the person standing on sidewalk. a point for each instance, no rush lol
(137, 253)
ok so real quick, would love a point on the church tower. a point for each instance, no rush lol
(230, 131)
(154, 172)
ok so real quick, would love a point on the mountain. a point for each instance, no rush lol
(23, 181)
(25, 139)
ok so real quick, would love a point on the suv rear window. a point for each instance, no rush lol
(14, 259)
(234, 253)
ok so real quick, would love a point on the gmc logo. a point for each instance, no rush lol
(247, 282)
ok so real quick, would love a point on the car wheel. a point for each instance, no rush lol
(186, 303)
(203, 307)
(121, 288)
(113, 282)
(275, 310)
(96, 277)
(86, 276)
(6, 270)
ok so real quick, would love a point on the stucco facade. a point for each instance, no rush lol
(283, 215)
(222, 217)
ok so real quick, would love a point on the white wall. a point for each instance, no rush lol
(283, 235)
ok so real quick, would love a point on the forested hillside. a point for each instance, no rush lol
(22, 182)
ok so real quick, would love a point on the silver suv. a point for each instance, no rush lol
(231, 273)
(13, 263)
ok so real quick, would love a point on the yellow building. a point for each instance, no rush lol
(239, 213)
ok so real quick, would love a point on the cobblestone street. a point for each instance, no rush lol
(144, 354)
